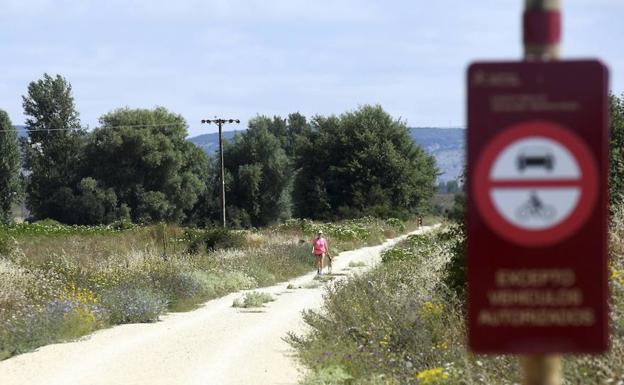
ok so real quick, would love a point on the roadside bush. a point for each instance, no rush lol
(402, 323)
(332, 375)
(213, 239)
(22, 329)
(133, 304)
(253, 299)
(6, 244)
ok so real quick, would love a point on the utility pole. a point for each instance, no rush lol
(220, 123)
(541, 37)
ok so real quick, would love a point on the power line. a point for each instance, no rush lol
(94, 128)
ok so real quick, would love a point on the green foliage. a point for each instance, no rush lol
(331, 375)
(361, 163)
(253, 299)
(259, 177)
(142, 157)
(213, 239)
(455, 275)
(53, 151)
(616, 144)
(287, 131)
(9, 168)
(50, 227)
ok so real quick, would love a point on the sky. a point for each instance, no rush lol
(241, 58)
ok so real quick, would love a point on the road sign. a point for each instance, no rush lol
(537, 215)
(535, 183)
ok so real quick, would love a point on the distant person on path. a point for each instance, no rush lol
(319, 249)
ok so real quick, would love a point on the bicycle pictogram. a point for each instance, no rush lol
(534, 208)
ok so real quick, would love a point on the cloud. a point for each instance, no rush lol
(242, 57)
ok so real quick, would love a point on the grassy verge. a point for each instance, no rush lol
(60, 282)
(403, 323)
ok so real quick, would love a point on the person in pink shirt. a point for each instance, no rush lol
(320, 248)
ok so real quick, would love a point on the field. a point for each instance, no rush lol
(403, 323)
(60, 282)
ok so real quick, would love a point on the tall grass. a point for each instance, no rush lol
(60, 282)
(403, 323)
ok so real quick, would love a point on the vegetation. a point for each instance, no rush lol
(58, 282)
(259, 177)
(144, 158)
(253, 299)
(361, 163)
(138, 166)
(616, 175)
(403, 323)
(9, 168)
(52, 152)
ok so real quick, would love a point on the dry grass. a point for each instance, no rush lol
(59, 282)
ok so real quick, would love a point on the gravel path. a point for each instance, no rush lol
(215, 344)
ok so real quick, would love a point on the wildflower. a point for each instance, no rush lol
(430, 309)
(432, 376)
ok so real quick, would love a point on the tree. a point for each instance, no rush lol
(616, 172)
(52, 152)
(207, 210)
(258, 177)
(361, 163)
(9, 168)
(144, 158)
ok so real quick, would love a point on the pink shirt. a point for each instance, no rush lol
(320, 246)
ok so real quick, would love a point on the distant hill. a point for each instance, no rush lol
(447, 145)
(210, 142)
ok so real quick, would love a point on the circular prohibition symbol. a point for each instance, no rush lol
(535, 183)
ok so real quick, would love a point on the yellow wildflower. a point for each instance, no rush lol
(430, 309)
(432, 376)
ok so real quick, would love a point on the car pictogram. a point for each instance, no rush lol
(535, 157)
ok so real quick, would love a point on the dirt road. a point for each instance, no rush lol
(213, 345)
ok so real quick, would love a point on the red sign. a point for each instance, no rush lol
(537, 207)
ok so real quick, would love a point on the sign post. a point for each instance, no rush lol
(541, 369)
(537, 203)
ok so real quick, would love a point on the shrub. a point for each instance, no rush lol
(357, 264)
(6, 243)
(133, 304)
(253, 299)
(213, 239)
(332, 375)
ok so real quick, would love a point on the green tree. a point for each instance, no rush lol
(144, 157)
(52, 152)
(616, 174)
(287, 131)
(361, 163)
(207, 210)
(258, 177)
(9, 168)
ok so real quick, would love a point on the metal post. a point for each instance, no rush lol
(220, 123)
(541, 35)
